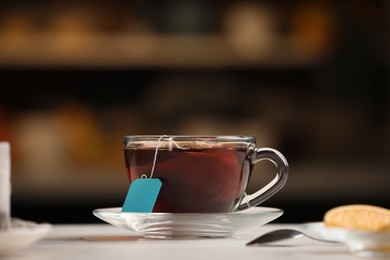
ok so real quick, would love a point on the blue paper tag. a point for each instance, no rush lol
(142, 195)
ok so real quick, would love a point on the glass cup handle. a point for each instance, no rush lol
(273, 186)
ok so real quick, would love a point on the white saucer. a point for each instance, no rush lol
(21, 234)
(360, 243)
(172, 225)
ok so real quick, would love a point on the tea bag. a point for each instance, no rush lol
(5, 185)
(143, 192)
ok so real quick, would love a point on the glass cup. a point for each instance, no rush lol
(202, 174)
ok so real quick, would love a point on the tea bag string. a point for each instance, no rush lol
(156, 152)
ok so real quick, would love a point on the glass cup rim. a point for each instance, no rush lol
(131, 141)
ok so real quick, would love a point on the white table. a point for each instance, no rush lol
(103, 241)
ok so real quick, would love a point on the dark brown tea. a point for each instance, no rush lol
(194, 180)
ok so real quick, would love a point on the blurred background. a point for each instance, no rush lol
(309, 78)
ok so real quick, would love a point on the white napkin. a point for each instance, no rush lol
(5, 185)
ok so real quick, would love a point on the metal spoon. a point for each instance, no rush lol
(281, 234)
